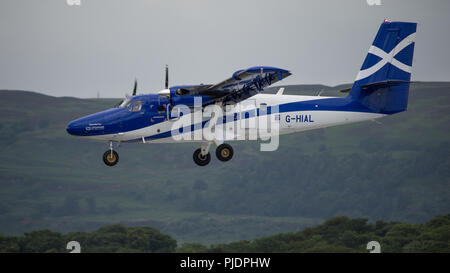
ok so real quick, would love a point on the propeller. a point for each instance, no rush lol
(126, 95)
(167, 77)
(135, 87)
(166, 92)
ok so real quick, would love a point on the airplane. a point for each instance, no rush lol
(381, 88)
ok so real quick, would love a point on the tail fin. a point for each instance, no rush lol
(382, 84)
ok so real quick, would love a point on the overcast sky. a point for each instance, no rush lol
(102, 45)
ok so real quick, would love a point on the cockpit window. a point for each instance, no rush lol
(125, 103)
(136, 106)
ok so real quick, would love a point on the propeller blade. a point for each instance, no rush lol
(117, 104)
(167, 77)
(135, 87)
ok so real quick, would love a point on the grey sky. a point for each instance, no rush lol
(102, 45)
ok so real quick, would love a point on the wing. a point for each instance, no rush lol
(242, 84)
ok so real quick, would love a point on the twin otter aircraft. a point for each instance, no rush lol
(381, 88)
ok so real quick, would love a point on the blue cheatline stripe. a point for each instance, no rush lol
(331, 104)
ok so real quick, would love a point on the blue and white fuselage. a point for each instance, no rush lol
(296, 114)
(381, 88)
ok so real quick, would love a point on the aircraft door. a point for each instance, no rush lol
(159, 110)
(174, 112)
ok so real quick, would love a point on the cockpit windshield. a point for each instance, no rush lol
(125, 103)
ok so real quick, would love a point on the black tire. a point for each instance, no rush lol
(201, 160)
(110, 159)
(224, 152)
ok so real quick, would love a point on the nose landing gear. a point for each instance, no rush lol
(201, 159)
(110, 157)
(202, 156)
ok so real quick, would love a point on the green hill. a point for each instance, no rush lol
(394, 171)
(345, 235)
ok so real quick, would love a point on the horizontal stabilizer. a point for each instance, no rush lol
(383, 84)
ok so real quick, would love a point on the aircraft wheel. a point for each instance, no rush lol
(110, 158)
(224, 152)
(201, 160)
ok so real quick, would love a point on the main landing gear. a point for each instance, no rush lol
(202, 157)
(110, 157)
(224, 152)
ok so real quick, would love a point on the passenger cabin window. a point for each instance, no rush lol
(136, 106)
(161, 109)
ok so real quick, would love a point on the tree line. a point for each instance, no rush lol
(339, 234)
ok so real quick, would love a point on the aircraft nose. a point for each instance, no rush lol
(95, 124)
(75, 128)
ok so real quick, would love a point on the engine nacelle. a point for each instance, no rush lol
(177, 97)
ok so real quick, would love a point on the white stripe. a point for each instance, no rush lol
(387, 58)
